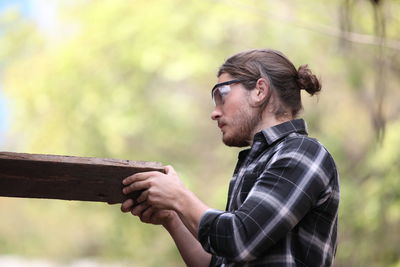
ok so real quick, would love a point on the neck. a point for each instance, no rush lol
(267, 121)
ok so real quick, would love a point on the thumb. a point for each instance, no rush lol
(169, 169)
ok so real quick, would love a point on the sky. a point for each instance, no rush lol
(23, 5)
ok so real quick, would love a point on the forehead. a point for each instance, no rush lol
(224, 77)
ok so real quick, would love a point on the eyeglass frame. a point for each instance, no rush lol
(218, 85)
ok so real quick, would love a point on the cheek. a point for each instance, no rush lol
(238, 110)
(236, 118)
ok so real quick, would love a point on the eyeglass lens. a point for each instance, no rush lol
(220, 93)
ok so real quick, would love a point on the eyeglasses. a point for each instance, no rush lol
(221, 90)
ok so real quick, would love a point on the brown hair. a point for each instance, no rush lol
(274, 66)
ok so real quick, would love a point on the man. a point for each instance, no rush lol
(283, 198)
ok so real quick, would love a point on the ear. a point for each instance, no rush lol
(261, 92)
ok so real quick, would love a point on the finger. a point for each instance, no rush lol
(138, 209)
(147, 214)
(143, 196)
(169, 169)
(136, 186)
(127, 205)
(140, 176)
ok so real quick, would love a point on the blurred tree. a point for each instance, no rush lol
(131, 80)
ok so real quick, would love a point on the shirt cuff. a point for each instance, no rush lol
(206, 221)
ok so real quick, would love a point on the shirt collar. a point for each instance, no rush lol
(275, 133)
(282, 130)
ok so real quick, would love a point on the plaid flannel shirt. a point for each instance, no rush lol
(282, 205)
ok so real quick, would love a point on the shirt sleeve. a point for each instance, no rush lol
(288, 187)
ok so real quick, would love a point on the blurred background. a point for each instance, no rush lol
(132, 79)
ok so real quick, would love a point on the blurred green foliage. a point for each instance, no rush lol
(132, 79)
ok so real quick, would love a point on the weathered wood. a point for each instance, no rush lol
(66, 177)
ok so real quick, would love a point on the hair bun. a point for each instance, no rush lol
(308, 81)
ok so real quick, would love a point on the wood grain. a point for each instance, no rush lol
(66, 177)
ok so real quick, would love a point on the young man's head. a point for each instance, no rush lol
(256, 86)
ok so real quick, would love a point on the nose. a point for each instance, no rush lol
(216, 113)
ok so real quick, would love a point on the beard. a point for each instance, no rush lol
(242, 127)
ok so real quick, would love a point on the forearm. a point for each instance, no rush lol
(190, 210)
(190, 249)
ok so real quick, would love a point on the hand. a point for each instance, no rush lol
(148, 214)
(165, 192)
(161, 191)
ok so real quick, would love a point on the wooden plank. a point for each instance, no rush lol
(66, 177)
